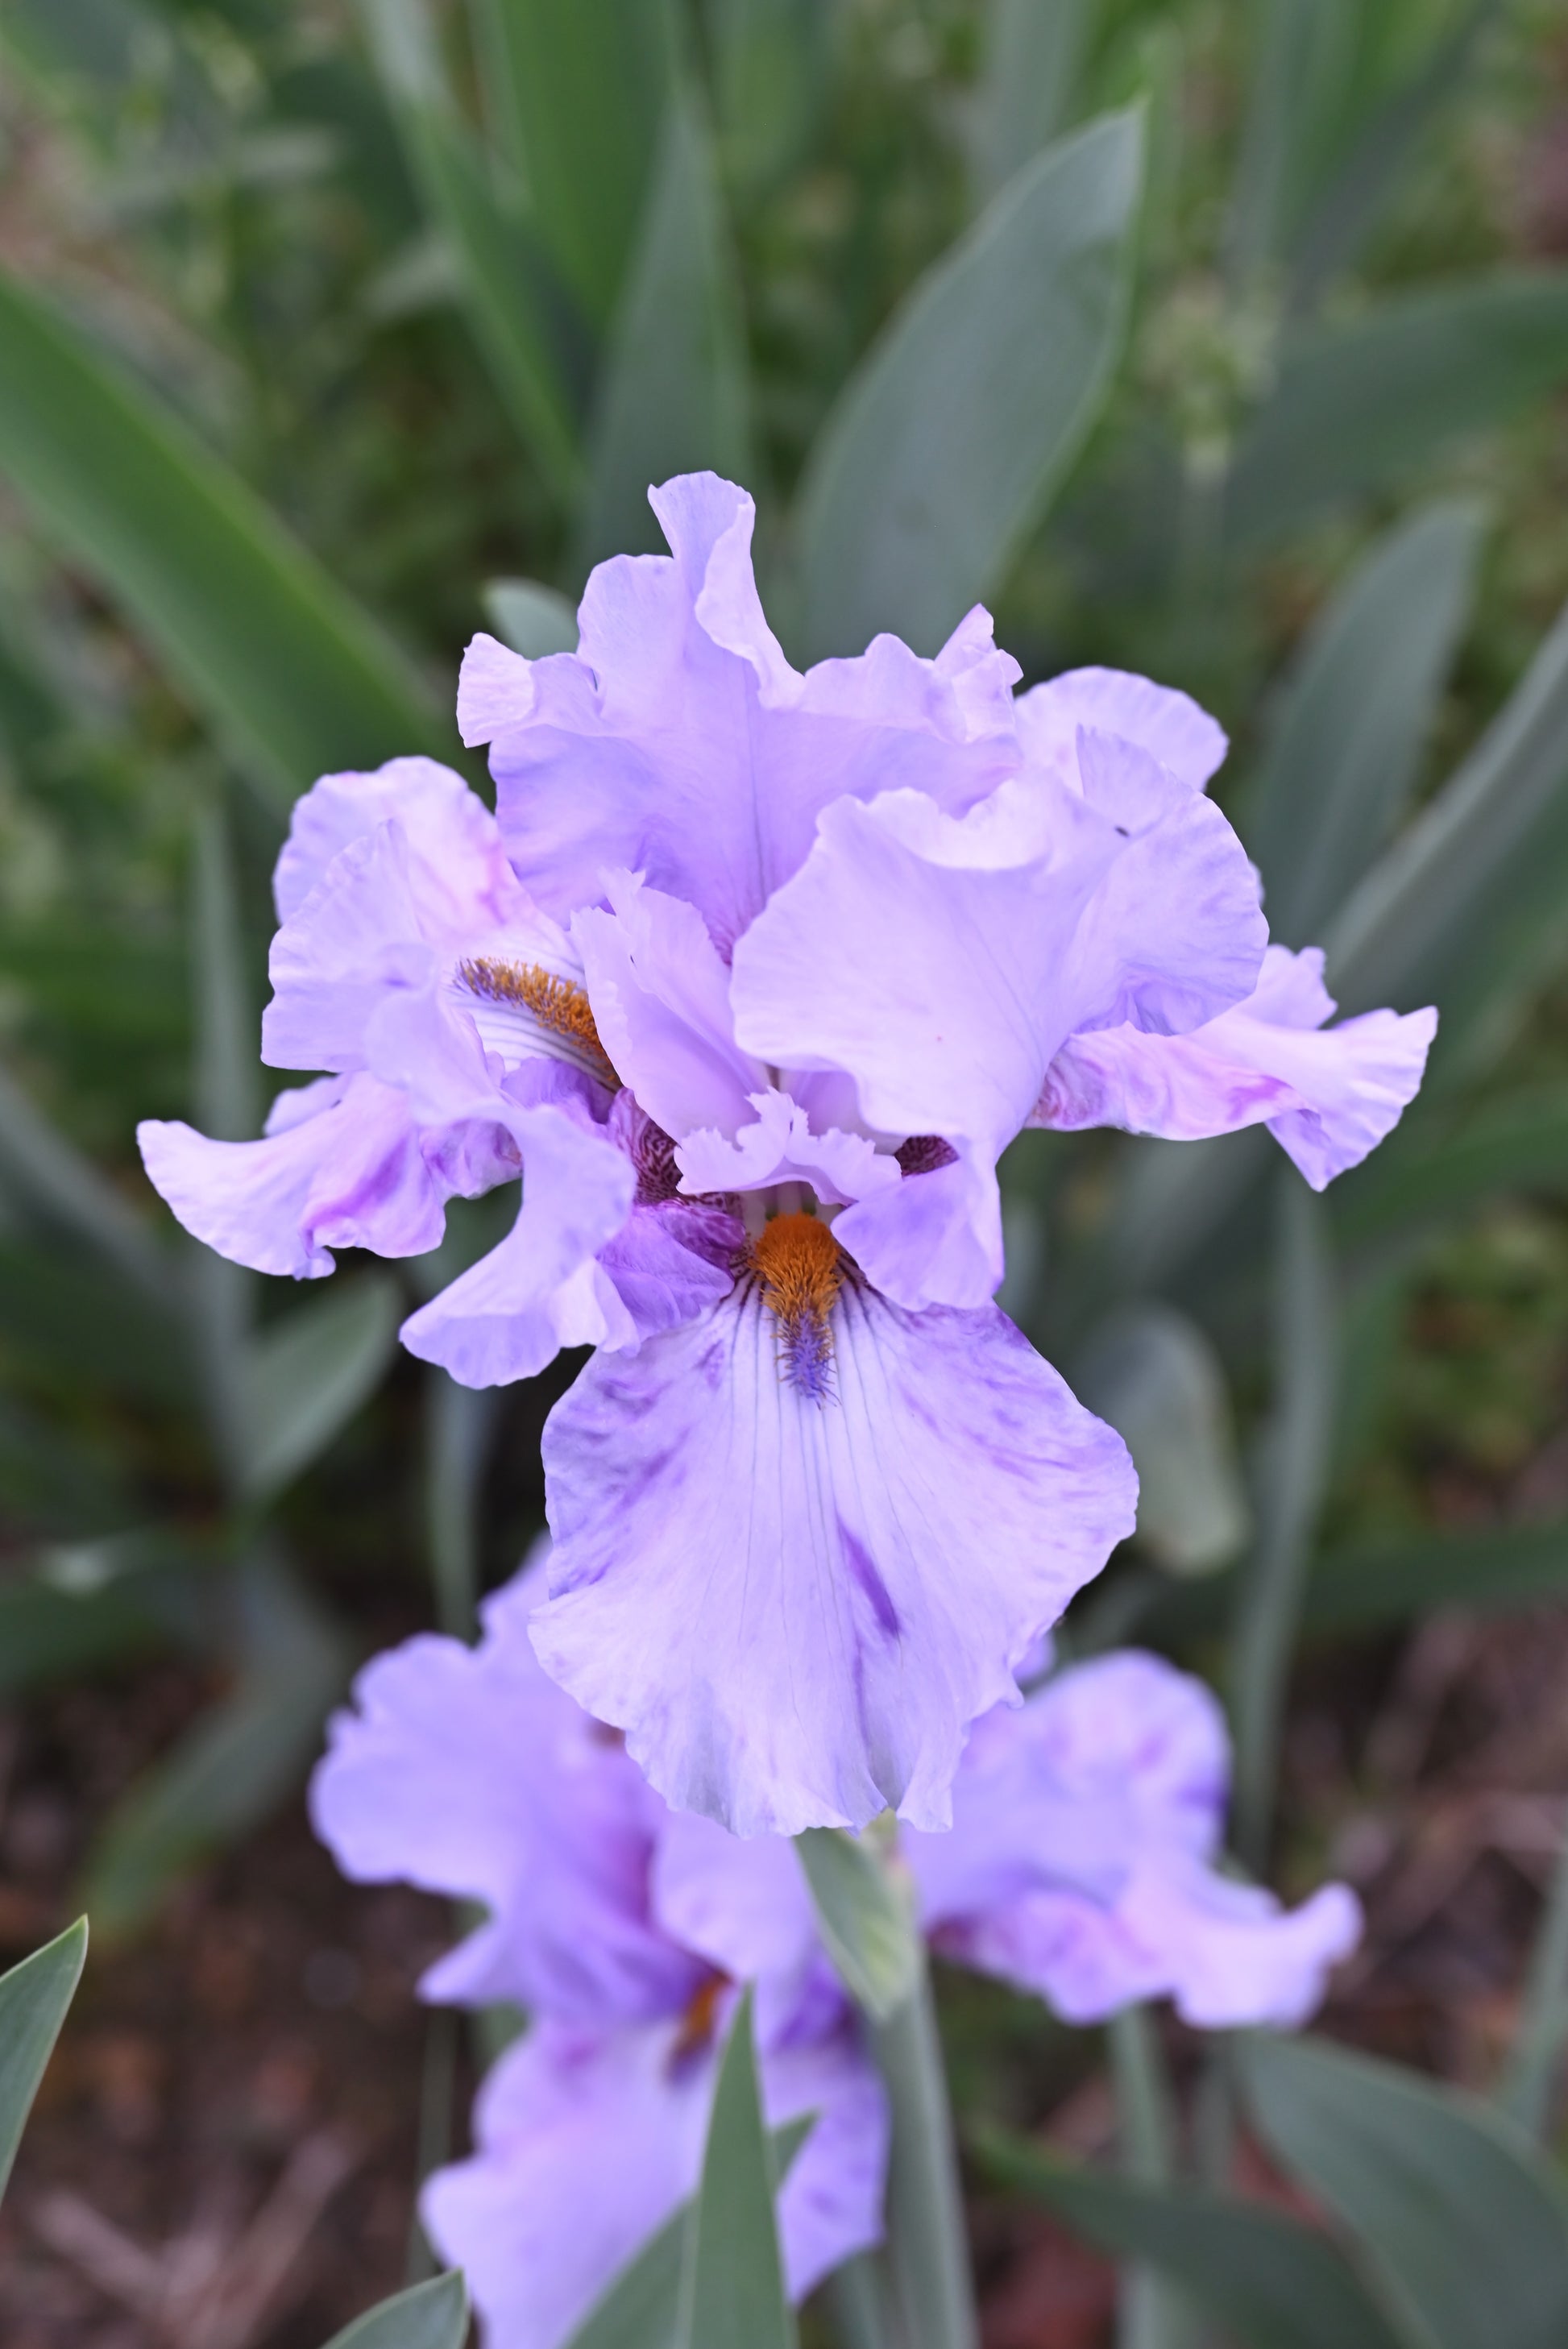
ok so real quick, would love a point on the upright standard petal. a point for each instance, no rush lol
(1175, 932)
(1169, 725)
(448, 824)
(1079, 1864)
(467, 1771)
(402, 907)
(931, 958)
(795, 1582)
(660, 997)
(677, 741)
(1328, 1095)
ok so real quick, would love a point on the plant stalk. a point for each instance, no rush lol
(1296, 1468)
(927, 2244)
(1524, 2091)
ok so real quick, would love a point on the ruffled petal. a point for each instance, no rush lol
(930, 1237)
(466, 1771)
(661, 1002)
(447, 825)
(586, 2144)
(1231, 1958)
(778, 1146)
(1175, 932)
(348, 1169)
(540, 1289)
(795, 1608)
(393, 909)
(1167, 724)
(932, 958)
(831, 2204)
(677, 741)
(669, 1263)
(1079, 1864)
(1328, 1095)
(741, 1903)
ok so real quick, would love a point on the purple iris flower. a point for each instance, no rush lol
(623, 1929)
(753, 976)
(1081, 1862)
(1080, 1866)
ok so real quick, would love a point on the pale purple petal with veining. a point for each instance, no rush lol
(831, 2204)
(677, 741)
(669, 1263)
(1328, 1095)
(930, 957)
(466, 1771)
(587, 2143)
(354, 1171)
(778, 1146)
(741, 1902)
(796, 1607)
(1233, 1957)
(540, 1288)
(1080, 1860)
(395, 910)
(1175, 933)
(931, 1237)
(1180, 735)
(661, 1003)
(447, 823)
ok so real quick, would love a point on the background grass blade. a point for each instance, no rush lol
(1156, 1377)
(1355, 716)
(673, 396)
(732, 2290)
(578, 90)
(1033, 60)
(1446, 914)
(1268, 2280)
(520, 316)
(433, 2315)
(34, 1997)
(945, 443)
(772, 60)
(229, 1771)
(1465, 2226)
(276, 656)
(532, 619)
(1356, 405)
(1297, 1454)
(308, 1372)
(1350, 204)
(59, 1184)
(641, 2308)
(1517, 1144)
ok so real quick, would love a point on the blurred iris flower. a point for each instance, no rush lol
(753, 976)
(1080, 1867)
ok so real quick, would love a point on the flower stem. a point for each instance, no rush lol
(1150, 2315)
(1297, 1462)
(928, 2250)
(856, 2295)
(1525, 2088)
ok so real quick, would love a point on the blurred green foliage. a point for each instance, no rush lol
(1227, 342)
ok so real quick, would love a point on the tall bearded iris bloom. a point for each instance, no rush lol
(624, 1932)
(753, 976)
(1080, 1867)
